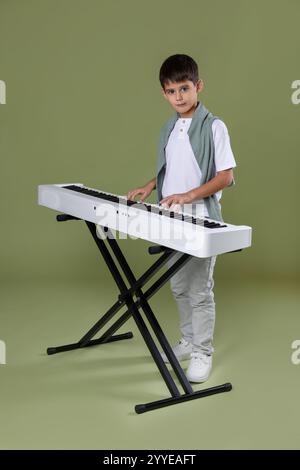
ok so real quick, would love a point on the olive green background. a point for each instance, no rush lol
(84, 105)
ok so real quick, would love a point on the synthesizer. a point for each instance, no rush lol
(179, 230)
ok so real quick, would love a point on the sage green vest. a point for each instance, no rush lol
(201, 140)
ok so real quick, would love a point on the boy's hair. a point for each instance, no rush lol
(177, 68)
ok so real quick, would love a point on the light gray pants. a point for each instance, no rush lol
(192, 288)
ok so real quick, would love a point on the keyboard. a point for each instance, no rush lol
(179, 230)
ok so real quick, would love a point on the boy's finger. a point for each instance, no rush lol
(132, 195)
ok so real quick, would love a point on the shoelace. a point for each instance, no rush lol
(200, 357)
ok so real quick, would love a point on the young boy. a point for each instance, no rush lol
(195, 163)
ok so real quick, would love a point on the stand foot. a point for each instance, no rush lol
(94, 342)
(189, 396)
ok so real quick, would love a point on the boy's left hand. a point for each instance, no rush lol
(182, 198)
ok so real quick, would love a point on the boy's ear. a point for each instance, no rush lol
(200, 85)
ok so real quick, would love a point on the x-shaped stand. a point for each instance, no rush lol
(133, 307)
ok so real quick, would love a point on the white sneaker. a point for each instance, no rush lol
(199, 367)
(182, 351)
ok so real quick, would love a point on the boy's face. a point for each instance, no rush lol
(182, 96)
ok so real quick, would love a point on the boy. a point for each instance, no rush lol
(195, 163)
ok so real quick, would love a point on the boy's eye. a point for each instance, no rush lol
(184, 88)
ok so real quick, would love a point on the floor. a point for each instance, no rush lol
(84, 399)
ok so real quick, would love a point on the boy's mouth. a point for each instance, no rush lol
(183, 104)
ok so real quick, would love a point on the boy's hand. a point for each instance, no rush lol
(182, 198)
(144, 191)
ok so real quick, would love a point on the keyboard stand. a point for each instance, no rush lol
(133, 307)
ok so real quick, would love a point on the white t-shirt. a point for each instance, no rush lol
(182, 170)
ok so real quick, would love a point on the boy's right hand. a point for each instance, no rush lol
(144, 191)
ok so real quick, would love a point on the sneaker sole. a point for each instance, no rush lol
(197, 379)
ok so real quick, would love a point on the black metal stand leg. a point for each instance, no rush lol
(135, 312)
(189, 393)
(107, 337)
(126, 298)
(149, 293)
(151, 317)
